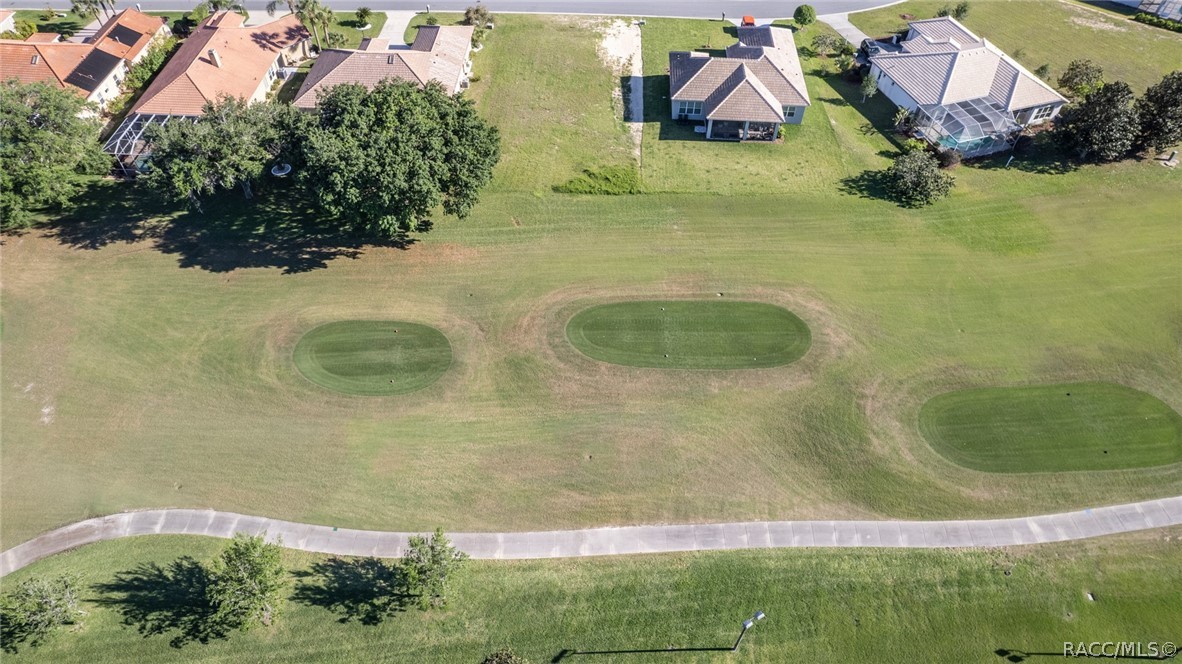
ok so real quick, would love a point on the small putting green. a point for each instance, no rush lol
(1051, 428)
(690, 334)
(373, 358)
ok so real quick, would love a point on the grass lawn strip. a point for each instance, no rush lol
(373, 358)
(690, 334)
(1049, 428)
(823, 606)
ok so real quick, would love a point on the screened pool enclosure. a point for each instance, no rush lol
(974, 128)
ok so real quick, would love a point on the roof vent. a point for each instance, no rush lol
(36, 58)
(389, 59)
(215, 58)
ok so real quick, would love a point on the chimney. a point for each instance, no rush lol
(215, 58)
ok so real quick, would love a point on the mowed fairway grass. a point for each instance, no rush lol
(150, 364)
(821, 605)
(373, 358)
(690, 334)
(1048, 428)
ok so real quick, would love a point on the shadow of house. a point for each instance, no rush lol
(656, 109)
(366, 590)
(165, 600)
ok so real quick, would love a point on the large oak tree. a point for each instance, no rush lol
(382, 160)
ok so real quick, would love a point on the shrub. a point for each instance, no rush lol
(37, 607)
(961, 11)
(1158, 21)
(607, 181)
(22, 30)
(477, 15)
(946, 10)
(915, 179)
(804, 15)
(948, 158)
(868, 88)
(1104, 127)
(336, 40)
(48, 14)
(826, 43)
(431, 20)
(1043, 72)
(915, 145)
(1082, 78)
(504, 656)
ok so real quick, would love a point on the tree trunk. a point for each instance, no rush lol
(246, 189)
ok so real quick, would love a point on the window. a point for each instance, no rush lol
(789, 112)
(689, 108)
(1042, 113)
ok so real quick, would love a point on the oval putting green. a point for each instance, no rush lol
(373, 358)
(1050, 428)
(690, 334)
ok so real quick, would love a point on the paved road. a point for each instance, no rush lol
(618, 541)
(680, 8)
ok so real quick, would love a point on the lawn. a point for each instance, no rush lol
(373, 358)
(150, 363)
(1036, 33)
(67, 23)
(821, 606)
(443, 18)
(1049, 428)
(346, 23)
(689, 334)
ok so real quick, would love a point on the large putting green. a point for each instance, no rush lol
(372, 357)
(1047, 428)
(690, 334)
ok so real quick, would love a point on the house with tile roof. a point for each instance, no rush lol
(95, 69)
(439, 53)
(7, 20)
(964, 93)
(746, 95)
(221, 57)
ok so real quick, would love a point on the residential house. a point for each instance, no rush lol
(439, 53)
(963, 92)
(7, 21)
(746, 95)
(94, 69)
(222, 57)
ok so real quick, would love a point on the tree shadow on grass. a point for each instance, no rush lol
(166, 600)
(1033, 154)
(366, 590)
(867, 184)
(275, 229)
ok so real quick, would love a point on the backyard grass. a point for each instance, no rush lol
(1049, 428)
(689, 334)
(821, 606)
(373, 358)
(67, 24)
(346, 23)
(1035, 33)
(148, 352)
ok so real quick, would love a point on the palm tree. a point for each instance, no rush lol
(306, 11)
(214, 6)
(89, 8)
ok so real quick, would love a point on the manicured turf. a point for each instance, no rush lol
(821, 605)
(1047, 428)
(373, 358)
(690, 334)
(149, 364)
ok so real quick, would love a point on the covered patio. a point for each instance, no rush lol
(741, 130)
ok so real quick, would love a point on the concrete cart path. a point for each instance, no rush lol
(617, 541)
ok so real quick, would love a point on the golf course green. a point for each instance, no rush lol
(690, 334)
(373, 358)
(1050, 428)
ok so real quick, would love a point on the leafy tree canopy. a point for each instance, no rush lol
(1104, 127)
(804, 15)
(46, 149)
(231, 145)
(915, 179)
(429, 564)
(826, 42)
(1081, 78)
(1160, 111)
(383, 160)
(247, 582)
(36, 607)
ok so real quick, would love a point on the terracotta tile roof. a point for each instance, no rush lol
(439, 53)
(944, 63)
(30, 62)
(128, 33)
(5, 14)
(761, 71)
(43, 38)
(191, 78)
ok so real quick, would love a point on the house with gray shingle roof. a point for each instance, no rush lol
(963, 92)
(746, 95)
